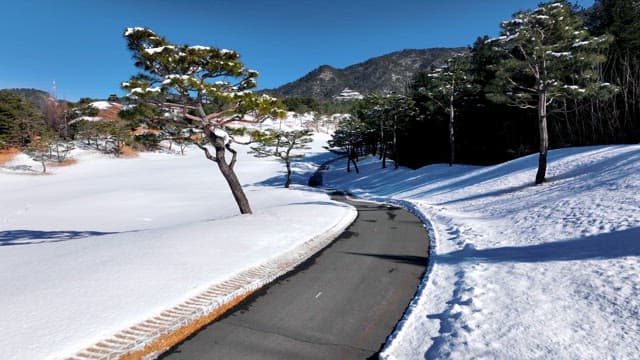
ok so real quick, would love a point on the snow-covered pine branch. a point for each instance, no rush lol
(208, 86)
(548, 56)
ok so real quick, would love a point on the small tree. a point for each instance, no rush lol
(40, 149)
(281, 144)
(348, 136)
(549, 56)
(197, 81)
(448, 85)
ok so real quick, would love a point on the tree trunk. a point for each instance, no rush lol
(544, 137)
(355, 165)
(395, 143)
(452, 144)
(384, 157)
(229, 174)
(288, 182)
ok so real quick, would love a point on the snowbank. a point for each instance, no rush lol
(516, 270)
(101, 105)
(107, 243)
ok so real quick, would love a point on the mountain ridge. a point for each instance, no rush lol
(381, 74)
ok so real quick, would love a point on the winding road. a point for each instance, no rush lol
(340, 304)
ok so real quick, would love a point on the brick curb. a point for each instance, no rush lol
(148, 339)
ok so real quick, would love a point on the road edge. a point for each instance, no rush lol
(150, 338)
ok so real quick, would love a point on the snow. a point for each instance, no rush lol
(574, 87)
(518, 271)
(156, 50)
(101, 105)
(130, 31)
(99, 246)
(199, 47)
(222, 134)
(559, 54)
(581, 43)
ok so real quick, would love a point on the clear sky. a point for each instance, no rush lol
(79, 43)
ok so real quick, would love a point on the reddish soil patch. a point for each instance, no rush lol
(8, 154)
(110, 114)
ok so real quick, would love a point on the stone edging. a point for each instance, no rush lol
(150, 338)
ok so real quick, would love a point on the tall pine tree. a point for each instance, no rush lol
(448, 86)
(550, 56)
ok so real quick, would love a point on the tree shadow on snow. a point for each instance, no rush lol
(603, 246)
(29, 237)
(300, 175)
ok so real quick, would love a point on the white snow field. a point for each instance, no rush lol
(518, 271)
(102, 245)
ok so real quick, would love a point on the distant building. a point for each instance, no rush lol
(348, 94)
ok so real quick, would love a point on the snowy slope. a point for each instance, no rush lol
(104, 244)
(520, 271)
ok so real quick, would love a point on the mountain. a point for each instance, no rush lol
(39, 98)
(382, 74)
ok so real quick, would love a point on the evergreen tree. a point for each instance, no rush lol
(20, 121)
(281, 144)
(620, 116)
(448, 85)
(348, 137)
(197, 81)
(550, 56)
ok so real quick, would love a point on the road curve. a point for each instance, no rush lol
(340, 304)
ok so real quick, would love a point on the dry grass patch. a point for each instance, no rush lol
(128, 152)
(8, 154)
(167, 341)
(67, 162)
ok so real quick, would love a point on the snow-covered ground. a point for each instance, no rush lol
(519, 271)
(99, 246)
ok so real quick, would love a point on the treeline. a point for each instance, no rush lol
(577, 84)
(47, 129)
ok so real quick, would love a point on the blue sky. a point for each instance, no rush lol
(79, 43)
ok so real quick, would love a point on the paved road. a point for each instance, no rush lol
(341, 304)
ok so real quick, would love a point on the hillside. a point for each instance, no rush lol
(39, 98)
(518, 271)
(382, 74)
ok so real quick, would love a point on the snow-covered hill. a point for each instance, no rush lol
(104, 244)
(519, 271)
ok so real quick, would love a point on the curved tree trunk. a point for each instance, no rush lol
(228, 172)
(544, 137)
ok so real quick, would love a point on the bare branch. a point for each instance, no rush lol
(206, 152)
(234, 155)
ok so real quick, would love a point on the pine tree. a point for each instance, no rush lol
(348, 137)
(620, 18)
(197, 81)
(448, 85)
(550, 56)
(281, 144)
(20, 121)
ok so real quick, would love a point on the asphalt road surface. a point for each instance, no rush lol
(340, 304)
